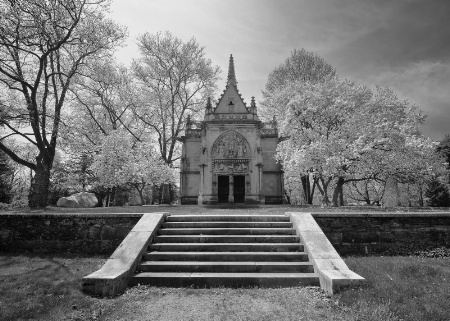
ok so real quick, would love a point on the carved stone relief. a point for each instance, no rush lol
(230, 167)
(231, 145)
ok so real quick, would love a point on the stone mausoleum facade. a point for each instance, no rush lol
(228, 158)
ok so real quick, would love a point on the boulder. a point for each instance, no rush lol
(67, 202)
(86, 199)
(83, 199)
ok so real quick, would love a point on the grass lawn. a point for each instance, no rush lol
(48, 287)
(223, 209)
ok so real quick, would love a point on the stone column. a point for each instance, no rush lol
(200, 192)
(231, 194)
(262, 198)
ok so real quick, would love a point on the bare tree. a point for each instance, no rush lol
(44, 45)
(176, 79)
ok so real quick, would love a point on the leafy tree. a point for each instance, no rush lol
(437, 194)
(444, 150)
(343, 132)
(44, 46)
(122, 161)
(300, 67)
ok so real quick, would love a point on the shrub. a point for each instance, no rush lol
(4, 206)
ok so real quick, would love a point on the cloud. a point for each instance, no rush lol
(426, 84)
(403, 44)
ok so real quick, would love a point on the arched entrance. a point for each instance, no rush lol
(230, 166)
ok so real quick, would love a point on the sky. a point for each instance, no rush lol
(402, 44)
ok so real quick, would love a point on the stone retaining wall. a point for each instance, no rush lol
(74, 233)
(350, 233)
(385, 233)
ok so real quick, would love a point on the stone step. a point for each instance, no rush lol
(172, 279)
(201, 224)
(227, 256)
(226, 266)
(226, 231)
(226, 239)
(227, 218)
(227, 247)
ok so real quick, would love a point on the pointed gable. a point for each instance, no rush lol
(231, 101)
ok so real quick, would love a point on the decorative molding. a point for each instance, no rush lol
(231, 116)
(231, 166)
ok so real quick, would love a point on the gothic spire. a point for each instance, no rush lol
(231, 73)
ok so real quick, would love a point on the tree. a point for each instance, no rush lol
(300, 67)
(105, 100)
(340, 131)
(437, 194)
(175, 79)
(123, 161)
(44, 46)
(444, 150)
(6, 178)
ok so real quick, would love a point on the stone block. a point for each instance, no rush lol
(331, 281)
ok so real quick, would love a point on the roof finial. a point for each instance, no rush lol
(253, 106)
(208, 105)
(231, 73)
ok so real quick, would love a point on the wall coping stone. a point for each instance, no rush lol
(112, 278)
(86, 215)
(314, 214)
(328, 264)
(385, 214)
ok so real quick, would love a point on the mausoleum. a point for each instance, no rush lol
(229, 156)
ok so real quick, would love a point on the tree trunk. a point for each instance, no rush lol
(38, 195)
(165, 194)
(288, 198)
(323, 190)
(308, 193)
(341, 196)
(337, 191)
(141, 193)
(420, 195)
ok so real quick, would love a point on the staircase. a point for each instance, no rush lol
(225, 250)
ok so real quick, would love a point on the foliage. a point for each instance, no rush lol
(104, 101)
(300, 67)
(4, 206)
(123, 161)
(444, 150)
(44, 46)
(437, 194)
(6, 178)
(175, 79)
(339, 130)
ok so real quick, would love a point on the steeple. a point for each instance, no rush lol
(231, 73)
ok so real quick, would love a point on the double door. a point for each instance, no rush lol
(238, 188)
